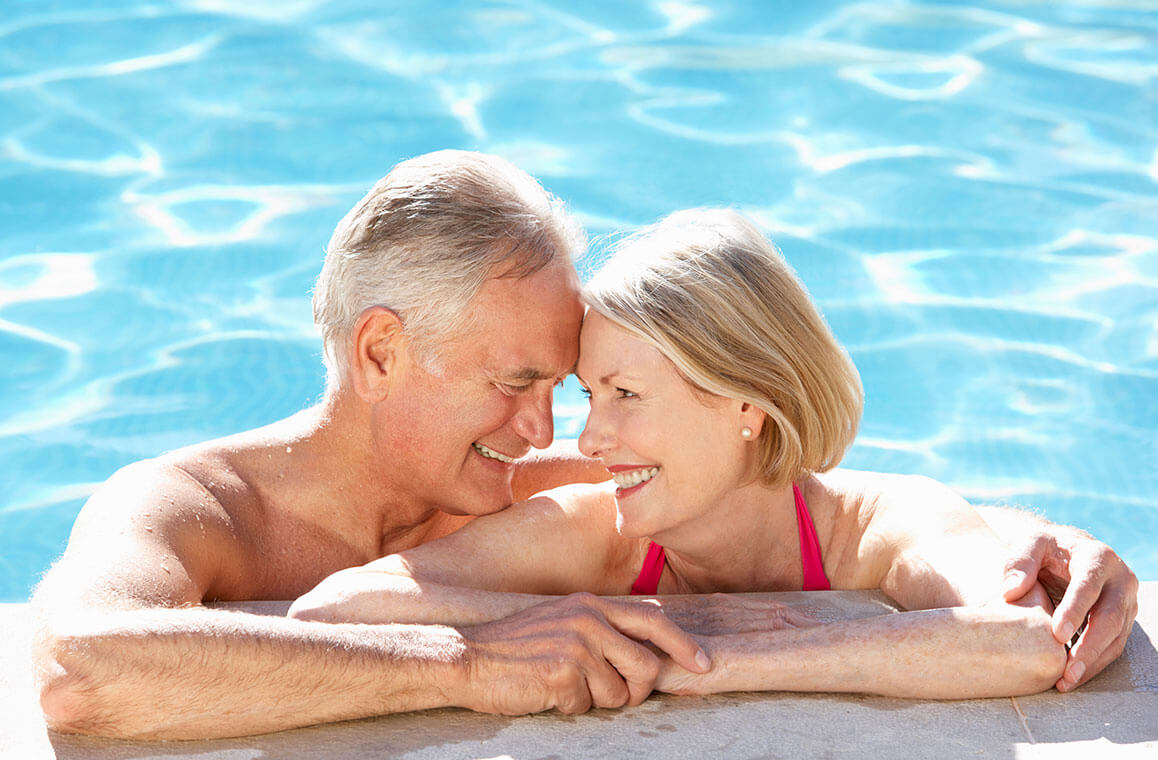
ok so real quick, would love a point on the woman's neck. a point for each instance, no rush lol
(749, 542)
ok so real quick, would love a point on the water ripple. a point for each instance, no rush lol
(968, 190)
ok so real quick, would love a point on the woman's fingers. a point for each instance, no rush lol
(1110, 619)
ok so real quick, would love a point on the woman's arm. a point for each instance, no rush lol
(390, 594)
(558, 543)
(951, 653)
(926, 548)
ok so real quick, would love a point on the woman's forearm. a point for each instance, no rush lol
(360, 596)
(950, 653)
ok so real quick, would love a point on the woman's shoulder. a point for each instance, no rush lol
(872, 492)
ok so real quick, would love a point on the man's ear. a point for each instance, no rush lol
(378, 346)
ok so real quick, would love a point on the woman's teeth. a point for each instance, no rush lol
(492, 454)
(635, 477)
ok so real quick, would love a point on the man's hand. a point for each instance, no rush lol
(579, 652)
(1090, 584)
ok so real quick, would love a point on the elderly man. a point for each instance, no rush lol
(449, 310)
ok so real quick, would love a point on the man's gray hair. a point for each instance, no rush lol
(424, 240)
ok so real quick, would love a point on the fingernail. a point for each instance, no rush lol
(1013, 579)
(1075, 672)
(703, 661)
(1066, 632)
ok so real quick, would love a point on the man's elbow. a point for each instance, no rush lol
(68, 696)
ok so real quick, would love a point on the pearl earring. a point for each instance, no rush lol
(745, 432)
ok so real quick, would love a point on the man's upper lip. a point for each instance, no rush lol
(613, 468)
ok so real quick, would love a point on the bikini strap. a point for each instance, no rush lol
(814, 577)
(648, 581)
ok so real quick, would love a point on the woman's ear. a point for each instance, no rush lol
(752, 417)
(378, 343)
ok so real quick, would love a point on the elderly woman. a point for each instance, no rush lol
(720, 404)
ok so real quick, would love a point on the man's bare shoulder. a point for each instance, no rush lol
(202, 516)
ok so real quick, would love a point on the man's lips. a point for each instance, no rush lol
(489, 453)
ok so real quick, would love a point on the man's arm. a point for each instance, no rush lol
(1094, 586)
(124, 647)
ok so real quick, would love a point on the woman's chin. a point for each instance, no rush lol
(629, 528)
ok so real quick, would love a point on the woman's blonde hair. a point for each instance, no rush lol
(709, 291)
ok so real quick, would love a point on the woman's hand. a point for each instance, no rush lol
(1091, 585)
(719, 614)
(720, 620)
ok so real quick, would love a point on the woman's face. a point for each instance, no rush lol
(674, 453)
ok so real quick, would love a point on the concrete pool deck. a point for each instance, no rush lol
(1113, 716)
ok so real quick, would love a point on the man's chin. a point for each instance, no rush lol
(481, 502)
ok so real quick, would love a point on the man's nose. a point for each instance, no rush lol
(535, 420)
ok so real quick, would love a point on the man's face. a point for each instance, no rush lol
(450, 436)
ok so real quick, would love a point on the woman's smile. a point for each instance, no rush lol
(630, 478)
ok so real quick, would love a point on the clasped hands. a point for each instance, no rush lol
(584, 651)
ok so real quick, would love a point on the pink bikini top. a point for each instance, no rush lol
(814, 578)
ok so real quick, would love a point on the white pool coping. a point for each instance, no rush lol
(1113, 716)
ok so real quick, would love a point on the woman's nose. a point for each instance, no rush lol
(594, 440)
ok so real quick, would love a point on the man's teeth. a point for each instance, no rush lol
(492, 454)
(635, 477)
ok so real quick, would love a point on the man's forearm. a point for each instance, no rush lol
(953, 653)
(201, 673)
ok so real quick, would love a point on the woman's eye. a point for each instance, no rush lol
(586, 393)
(624, 393)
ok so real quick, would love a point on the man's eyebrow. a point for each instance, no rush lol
(531, 373)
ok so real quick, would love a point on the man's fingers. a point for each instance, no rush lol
(634, 666)
(573, 695)
(645, 622)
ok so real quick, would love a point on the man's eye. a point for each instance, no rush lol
(512, 389)
(624, 393)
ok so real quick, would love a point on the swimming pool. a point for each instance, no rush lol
(969, 190)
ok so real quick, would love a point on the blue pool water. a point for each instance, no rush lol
(969, 189)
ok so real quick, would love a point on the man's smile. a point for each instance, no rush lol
(490, 453)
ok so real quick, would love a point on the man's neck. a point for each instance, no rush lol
(358, 477)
